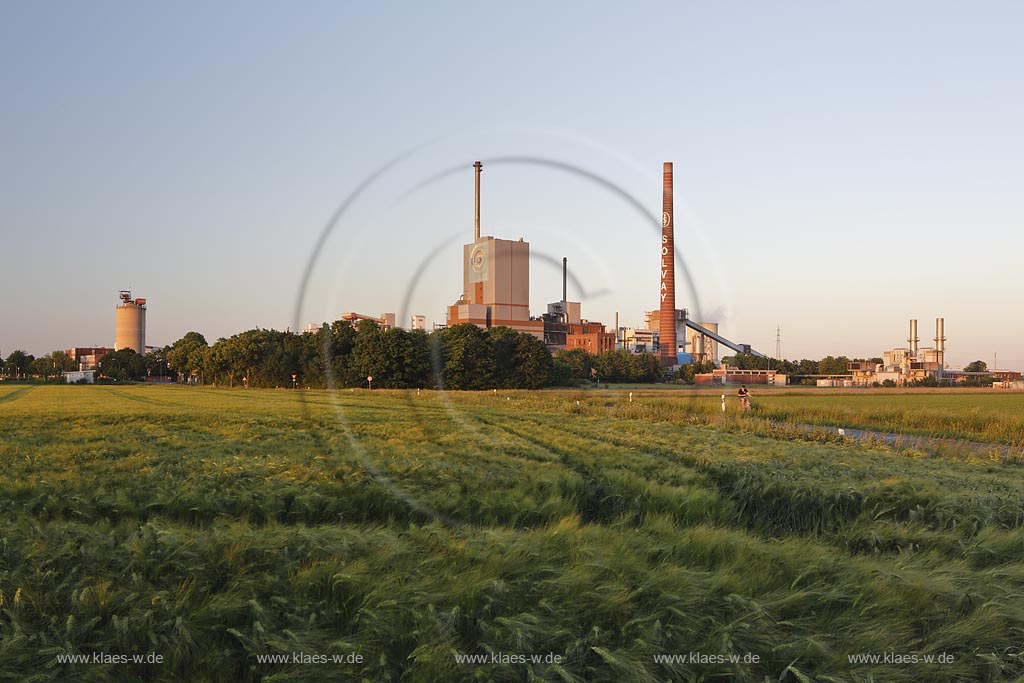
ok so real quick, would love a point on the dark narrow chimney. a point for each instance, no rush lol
(476, 213)
(667, 313)
(565, 275)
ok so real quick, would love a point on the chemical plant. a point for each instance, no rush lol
(496, 291)
(914, 364)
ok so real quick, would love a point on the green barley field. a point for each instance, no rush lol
(232, 535)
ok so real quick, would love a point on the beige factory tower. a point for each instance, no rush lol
(130, 324)
(495, 281)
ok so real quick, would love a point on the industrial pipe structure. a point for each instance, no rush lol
(738, 348)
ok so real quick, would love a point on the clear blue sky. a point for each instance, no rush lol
(840, 167)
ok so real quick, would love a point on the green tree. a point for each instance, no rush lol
(579, 361)
(123, 365)
(156, 363)
(252, 349)
(532, 363)
(337, 350)
(187, 355)
(219, 361)
(561, 374)
(830, 365)
(369, 358)
(783, 366)
(52, 364)
(42, 367)
(466, 356)
(687, 373)
(18, 363)
(312, 355)
(418, 372)
(807, 367)
(647, 368)
(976, 366)
(745, 361)
(503, 346)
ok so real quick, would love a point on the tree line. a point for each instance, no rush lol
(829, 365)
(342, 354)
(345, 355)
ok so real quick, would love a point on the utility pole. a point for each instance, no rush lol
(778, 343)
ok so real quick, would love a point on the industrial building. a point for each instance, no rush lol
(385, 320)
(697, 342)
(565, 329)
(730, 375)
(80, 377)
(130, 324)
(495, 281)
(906, 364)
(87, 357)
(701, 347)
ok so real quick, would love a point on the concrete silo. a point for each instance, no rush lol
(130, 324)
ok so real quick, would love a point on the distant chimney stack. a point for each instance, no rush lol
(912, 340)
(565, 275)
(476, 213)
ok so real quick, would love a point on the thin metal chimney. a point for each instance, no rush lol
(667, 314)
(912, 340)
(940, 344)
(476, 213)
(565, 275)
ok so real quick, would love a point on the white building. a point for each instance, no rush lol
(76, 376)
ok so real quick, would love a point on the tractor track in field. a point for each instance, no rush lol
(16, 394)
(145, 400)
(659, 452)
(574, 463)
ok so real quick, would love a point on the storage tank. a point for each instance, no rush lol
(700, 347)
(130, 324)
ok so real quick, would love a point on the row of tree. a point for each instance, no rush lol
(346, 355)
(829, 365)
(21, 365)
(572, 365)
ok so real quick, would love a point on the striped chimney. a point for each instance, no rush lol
(667, 315)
